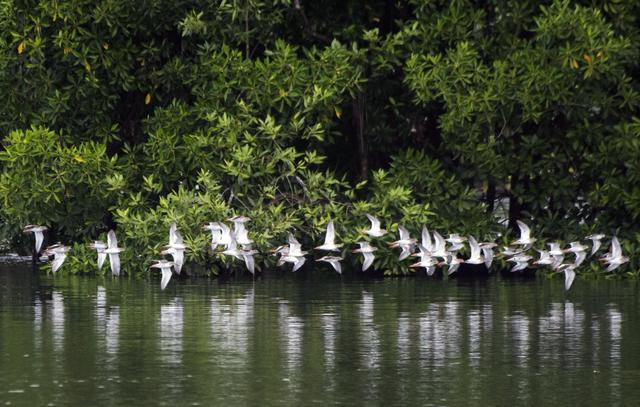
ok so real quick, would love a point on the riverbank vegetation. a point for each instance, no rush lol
(134, 115)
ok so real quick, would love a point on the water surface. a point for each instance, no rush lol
(317, 340)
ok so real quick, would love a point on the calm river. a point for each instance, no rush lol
(301, 340)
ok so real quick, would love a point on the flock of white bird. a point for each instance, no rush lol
(433, 250)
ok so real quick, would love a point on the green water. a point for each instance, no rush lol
(317, 340)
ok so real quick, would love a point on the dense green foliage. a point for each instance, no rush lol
(137, 114)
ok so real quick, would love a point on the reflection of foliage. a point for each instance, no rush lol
(195, 111)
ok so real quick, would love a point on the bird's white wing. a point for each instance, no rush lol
(596, 246)
(488, 257)
(580, 257)
(453, 268)
(403, 232)
(440, 242)
(166, 277)
(299, 263)
(178, 238)
(114, 262)
(39, 239)
(249, 262)
(330, 236)
(101, 258)
(178, 259)
(525, 232)
(368, 261)
(426, 239)
(58, 259)
(475, 247)
(112, 240)
(616, 250)
(569, 276)
(406, 252)
(375, 223)
(336, 266)
(173, 230)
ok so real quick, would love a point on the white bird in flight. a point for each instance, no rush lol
(216, 233)
(525, 236)
(426, 242)
(249, 261)
(374, 230)
(457, 242)
(38, 233)
(59, 253)
(239, 230)
(521, 260)
(405, 243)
(165, 268)
(614, 258)
(569, 271)
(579, 250)
(426, 260)
(329, 239)
(545, 258)
(556, 253)
(476, 256)
(334, 261)
(454, 264)
(292, 254)
(113, 251)
(596, 240)
(367, 252)
(175, 248)
(487, 252)
(99, 246)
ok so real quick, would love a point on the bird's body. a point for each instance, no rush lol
(521, 260)
(374, 230)
(525, 239)
(596, 242)
(165, 268)
(426, 242)
(579, 250)
(456, 241)
(569, 271)
(239, 230)
(175, 248)
(367, 252)
(556, 253)
(99, 246)
(476, 254)
(614, 258)
(487, 252)
(405, 243)
(329, 240)
(454, 264)
(216, 233)
(113, 251)
(59, 253)
(429, 263)
(545, 258)
(249, 261)
(439, 247)
(38, 234)
(297, 261)
(334, 261)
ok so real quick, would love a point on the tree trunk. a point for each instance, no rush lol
(363, 148)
